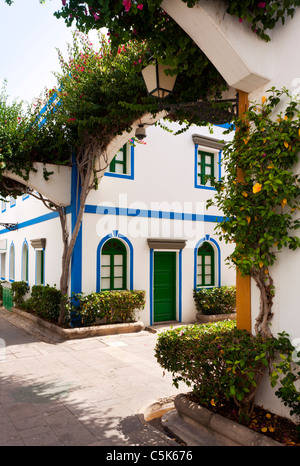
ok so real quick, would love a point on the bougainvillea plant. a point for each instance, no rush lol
(260, 207)
(123, 17)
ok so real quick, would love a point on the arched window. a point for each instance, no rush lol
(25, 262)
(12, 263)
(113, 265)
(205, 265)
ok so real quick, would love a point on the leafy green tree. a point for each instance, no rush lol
(260, 208)
(99, 95)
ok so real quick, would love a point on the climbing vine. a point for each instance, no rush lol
(260, 206)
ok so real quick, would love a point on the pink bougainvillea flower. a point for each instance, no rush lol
(140, 6)
(261, 5)
(127, 5)
(96, 16)
(64, 2)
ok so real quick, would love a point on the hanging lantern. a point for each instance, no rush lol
(158, 83)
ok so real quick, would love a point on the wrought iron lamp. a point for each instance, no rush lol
(10, 226)
(161, 85)
(158, 83)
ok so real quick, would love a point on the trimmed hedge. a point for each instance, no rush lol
(219, 361)
(211, 301)
(45, 302)
(19, 289)
(108, 307)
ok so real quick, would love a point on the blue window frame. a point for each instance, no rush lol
(122, 165)
(207, 163)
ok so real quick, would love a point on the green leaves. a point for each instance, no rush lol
(218, 360)
(217, 300)
(108, 306)
(260, 210)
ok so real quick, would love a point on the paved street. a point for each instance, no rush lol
(81, 392)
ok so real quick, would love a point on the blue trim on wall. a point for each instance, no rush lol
(76, 261)
(114, 234)
(129, 176)
(24, 243)
(44, 268)
(201, 186)
(151, 285)
(210, 240)
(12, 246)
(33, 221)
(180, 286)
(108, 210)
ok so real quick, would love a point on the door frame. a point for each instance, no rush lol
(178, 283)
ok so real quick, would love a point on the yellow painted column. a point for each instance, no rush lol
(243, 284)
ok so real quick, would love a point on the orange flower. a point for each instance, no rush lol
(257, 188)
(246, 141)
(244, 194)
(283, 202)
(248, 219)
(263, 99)
(286, 144)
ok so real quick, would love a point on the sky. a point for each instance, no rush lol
(29, 37)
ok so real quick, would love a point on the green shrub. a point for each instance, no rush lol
(219, 361)
(215, 300)
(45, 302)
(1, 289)
(19, 289)
(286, 373)
(107, 306)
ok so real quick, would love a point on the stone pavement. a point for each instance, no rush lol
(87, 392)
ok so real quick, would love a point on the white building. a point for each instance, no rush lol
(146, 227)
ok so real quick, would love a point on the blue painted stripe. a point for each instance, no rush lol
(180, 287)
(108, 210)
(151, 285)
(123, 211)
(76, 261)
(33, 221)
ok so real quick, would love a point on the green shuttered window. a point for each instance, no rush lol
(206, 265)
(119, 162)
(206, 161)
(113, 265)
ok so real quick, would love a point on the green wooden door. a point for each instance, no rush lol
(164, 286)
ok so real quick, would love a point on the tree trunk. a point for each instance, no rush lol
(265, 285)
